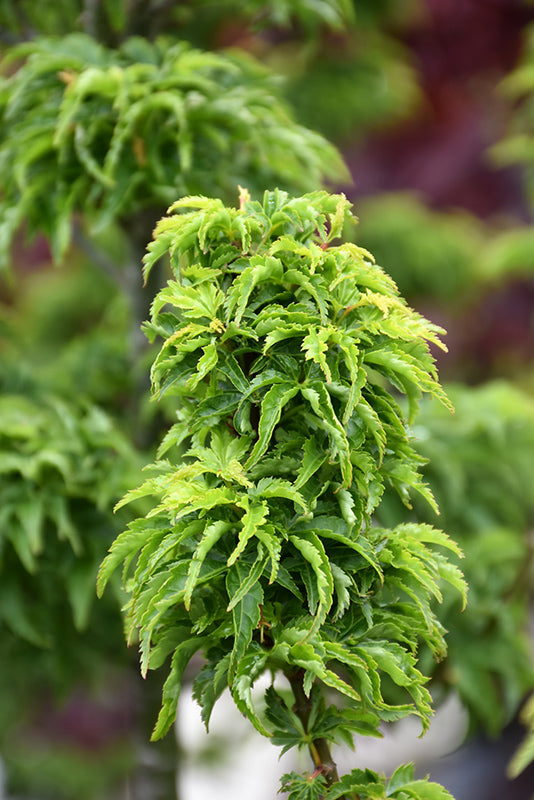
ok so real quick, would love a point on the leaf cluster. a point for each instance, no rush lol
(114, 20)
(301, 15)
(346, 87)
(490, 436)
(479, 468)
(365, 785)
(429, 254)
(111, 133)
(284, 353)
(61, 469)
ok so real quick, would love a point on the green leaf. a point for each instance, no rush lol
(288, 730)
(319, 399)
(373, 423)
(209, 684)
(402, 785)
(173, 685)
(205, 365)
(303, 787)
(365, 783)
(311, 547)
(167, 643)
(271, 411)
(211, 535)
(19, 619)
(253, 518)
(342, 583)
(313, 458)
(401, 776)
(337, 529)
(80, 585)
(124, 548)
(210, 410)
(246, 604)
(261, 269)
(315, 345)
(273, 488)
(267, 536)
(248, 580)
(231, 369)
(197, 302)
(248, 669)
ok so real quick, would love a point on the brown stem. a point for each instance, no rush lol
(319, 748)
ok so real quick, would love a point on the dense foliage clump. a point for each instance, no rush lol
(284, 353)
(114, 133)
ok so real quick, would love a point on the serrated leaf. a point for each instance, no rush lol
(311, 547)
(320, 401)
(123, 548)
(402, 786)
(253, 518)
(315, 345)
(280, 331)
(231, 369)
(248, 669)
(267, 536)
(365, 783)
(373, 423)
(333, 680)
(210, 536)
(246, 610)
(303, 787)
(208, 686)
(198, 302)
(173, 685)
(342, 582)
(168, 641)
(272, 488)
(249, 579)
(314, 286)
(337, 529)
(313, 458)
(205, 365)
(402, 775)
(271, 410)
(260, 269)
(288, 728)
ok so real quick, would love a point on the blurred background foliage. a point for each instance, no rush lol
(430, 103)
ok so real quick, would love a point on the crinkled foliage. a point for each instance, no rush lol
(285, 354)
(85, 128)
(481, 471)
(61, 466)
(366, 785)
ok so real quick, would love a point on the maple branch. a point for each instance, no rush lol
(319, 748)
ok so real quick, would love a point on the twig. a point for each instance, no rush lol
(319, 748)
(97, 256)
(89, 17)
